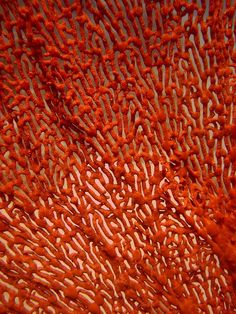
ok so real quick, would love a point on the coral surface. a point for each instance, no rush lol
(117, 156)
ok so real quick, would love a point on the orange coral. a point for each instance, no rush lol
(117, 164)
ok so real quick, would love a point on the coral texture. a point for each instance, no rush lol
(117, 156)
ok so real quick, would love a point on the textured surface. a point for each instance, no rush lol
(117, 156)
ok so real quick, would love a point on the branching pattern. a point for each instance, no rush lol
(117, 156)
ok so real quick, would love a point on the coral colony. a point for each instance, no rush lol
(117, 156)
